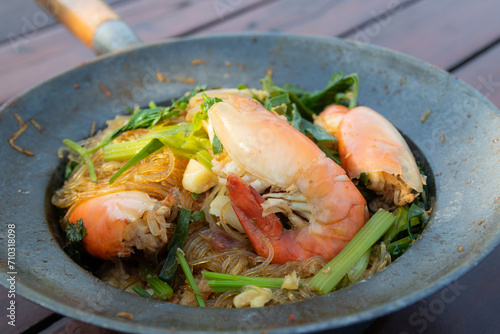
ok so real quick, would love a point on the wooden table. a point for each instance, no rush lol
(460, 36)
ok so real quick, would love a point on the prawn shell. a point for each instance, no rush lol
(105, 219)
(340, 209)
(369, 142)
(260, 141)
(330, 118)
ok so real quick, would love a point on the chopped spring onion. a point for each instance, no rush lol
(189, 277)
(219, 282)
(161, 289)
(333, 272)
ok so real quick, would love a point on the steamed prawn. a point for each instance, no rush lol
(267, 147)
(369, 143)
(117, 223)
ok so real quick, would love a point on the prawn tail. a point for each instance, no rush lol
(246, 202)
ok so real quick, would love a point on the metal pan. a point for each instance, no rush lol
(400, 87)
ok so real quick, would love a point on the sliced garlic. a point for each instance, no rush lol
(253, 296)
(198, 178)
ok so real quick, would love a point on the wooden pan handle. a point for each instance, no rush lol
(93, 22)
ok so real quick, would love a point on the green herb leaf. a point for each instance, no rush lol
(217, 145)
(365, 179)
(209, 101)
(414, 212)
(75, 232)
(278, 103)
(339, 90)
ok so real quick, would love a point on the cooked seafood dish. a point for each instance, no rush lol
(243, 197)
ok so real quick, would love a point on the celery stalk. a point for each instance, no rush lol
(124, 150)
(333, 272)
(153, 146)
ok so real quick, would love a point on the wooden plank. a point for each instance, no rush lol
(27, 313)
(455, 308)
(483, 73)
(41, 56)
(320, 17)
(24, 17)
(67, 325)
(442, 32)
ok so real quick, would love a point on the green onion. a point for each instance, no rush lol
(219, 282)
(153, 146)
(169, 268)
(141, 292)
(161, 289)
(189, 277)
(333, 272)
(83, 153)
